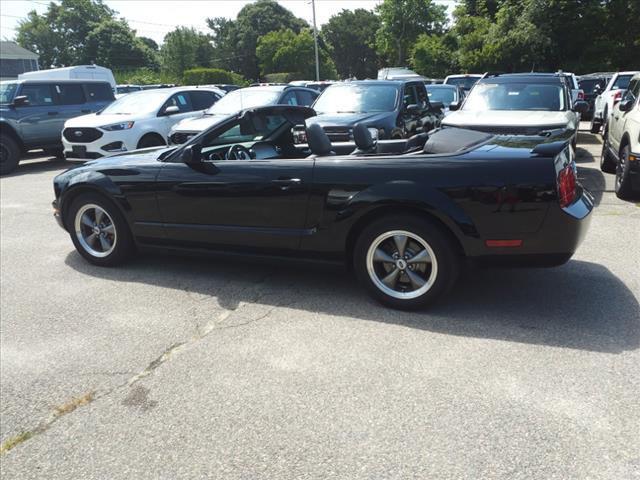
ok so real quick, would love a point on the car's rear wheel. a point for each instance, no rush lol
(99, 231)
(9, 154)
(607, 162)
(151, 140)
(623, 182)
(595, 125)
(405, 262)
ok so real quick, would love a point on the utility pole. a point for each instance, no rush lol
(315, 39)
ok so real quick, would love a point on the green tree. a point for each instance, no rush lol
(59, 34)
(432, 55)
(185, 48)
(287, 51)
(114, 45)
(150, 43)
(402, 22)
(350, 36)
(235, 41)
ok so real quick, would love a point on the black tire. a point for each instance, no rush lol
(607, 162)
(9, 154)
(595, 125)
(151, 140)
(623, 185)
(122, 241)
(371, 270)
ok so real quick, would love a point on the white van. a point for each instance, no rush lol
(79, 72)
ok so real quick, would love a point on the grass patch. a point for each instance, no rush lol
(74, 403)
(14, 441)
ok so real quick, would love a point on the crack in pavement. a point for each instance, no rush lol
(94, 395)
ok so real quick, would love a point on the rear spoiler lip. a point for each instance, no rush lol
(550, 149)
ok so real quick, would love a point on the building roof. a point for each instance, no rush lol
(13, 50)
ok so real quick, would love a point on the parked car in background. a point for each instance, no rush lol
(124, 89)
(137, 120)
(447, 94)
(520, 103)
(77, 72)
(158, 85)
(621, 146)
(390, 108)
(222, 86)
(576, 92)
(238, 100)
(319, 86)
(33, 113)
(605, 99)
(404, 223)
(465, 81)
(398, 73)
(591, 85)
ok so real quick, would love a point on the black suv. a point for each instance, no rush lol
(391, 109)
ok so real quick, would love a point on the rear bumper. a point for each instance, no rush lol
(558, 239)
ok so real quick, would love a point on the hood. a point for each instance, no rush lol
(501, 118)
(348, 119)
(95, 120)
(197, 124)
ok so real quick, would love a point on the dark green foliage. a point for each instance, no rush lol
(185, 48)
(209, 76)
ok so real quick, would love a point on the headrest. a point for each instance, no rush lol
(363, 138)
(318, 141)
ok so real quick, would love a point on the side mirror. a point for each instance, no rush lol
(21, 101)
(453, 106)
(414, 109)
(190, 155)
(626, 105)
(171, 110)
(581, 106)
(437, 105)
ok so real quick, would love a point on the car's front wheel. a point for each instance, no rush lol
(607, 162)
(595, 125)
(623, 182)
(406, 262)
(99, 231)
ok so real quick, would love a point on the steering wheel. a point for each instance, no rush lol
(238, 152)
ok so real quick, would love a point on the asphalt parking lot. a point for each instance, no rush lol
(183, 368)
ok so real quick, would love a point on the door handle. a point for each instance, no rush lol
(287, 181)
(52, 113)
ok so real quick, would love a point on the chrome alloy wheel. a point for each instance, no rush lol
(95, 230)
(402, 264)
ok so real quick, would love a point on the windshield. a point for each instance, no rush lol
(622, 82)
(358, 98)
(137, 102)
(7, 91)
(515, 96)
(238, 100)
(464, 82)
(444, 95)
(252, 127)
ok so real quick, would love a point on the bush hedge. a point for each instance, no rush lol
(208, 76)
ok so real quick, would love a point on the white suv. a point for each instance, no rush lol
(603, 104)
(137, 120)
(621, 147)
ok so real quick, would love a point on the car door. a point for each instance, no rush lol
(410, 119)
(39, 119)
(619, 119)
(181, 100)
(72, 101)
(257, 203)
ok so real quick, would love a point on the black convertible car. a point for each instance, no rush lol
(403, 213)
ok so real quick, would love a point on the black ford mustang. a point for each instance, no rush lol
(403, 213)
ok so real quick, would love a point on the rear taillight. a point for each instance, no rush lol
(567, 186)
(580, 95)
(617, 96)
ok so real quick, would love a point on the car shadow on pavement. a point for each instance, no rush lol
(38, 166)
(580, 305)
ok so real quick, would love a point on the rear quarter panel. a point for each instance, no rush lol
(493, 192)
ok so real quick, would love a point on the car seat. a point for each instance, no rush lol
(318, 141)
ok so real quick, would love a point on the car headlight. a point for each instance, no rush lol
(118, 126)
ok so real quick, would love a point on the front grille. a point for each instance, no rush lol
(81, 135)
(179, 138)
(338, 134)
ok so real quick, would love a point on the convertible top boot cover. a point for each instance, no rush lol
(450, 140)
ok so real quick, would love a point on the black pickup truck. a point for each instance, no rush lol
(404, 214)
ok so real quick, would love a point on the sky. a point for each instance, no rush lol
(155, 18)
